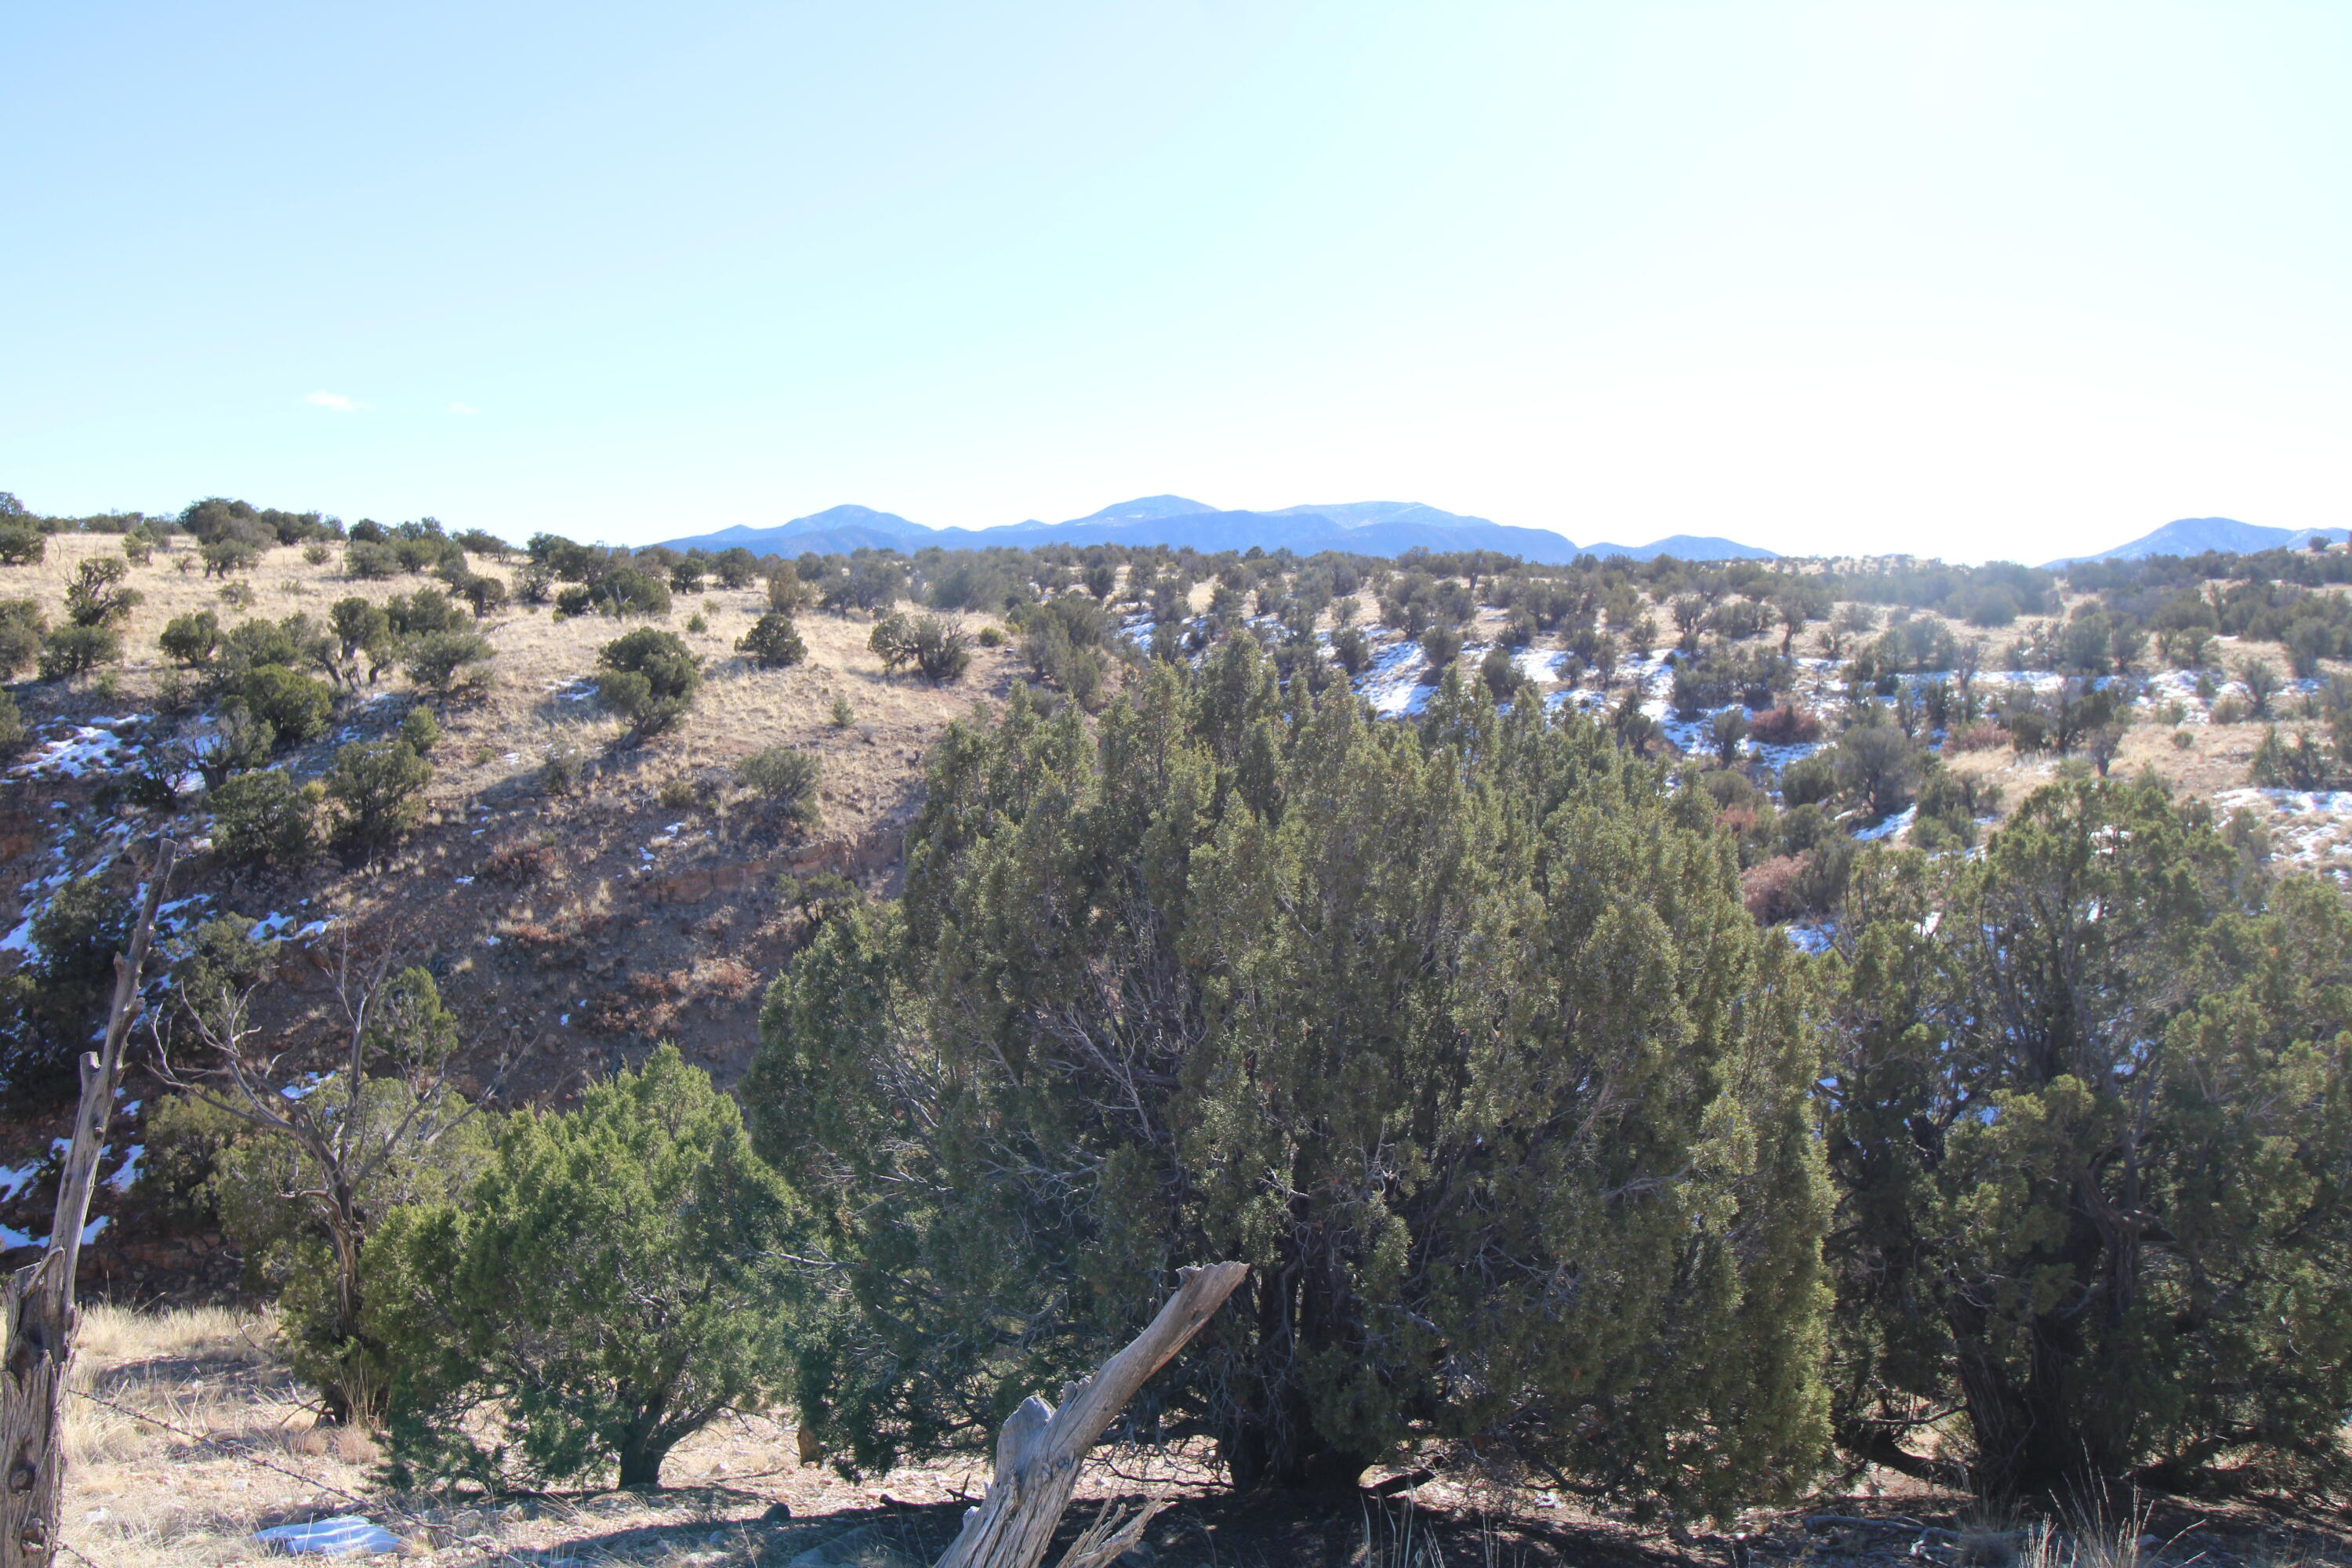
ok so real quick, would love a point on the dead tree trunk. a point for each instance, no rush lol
(1039, 1448)
(40, 1298)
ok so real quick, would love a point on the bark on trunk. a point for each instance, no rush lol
(1040, 1449)
(42, 1316)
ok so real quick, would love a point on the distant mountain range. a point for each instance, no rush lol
(2196, 535)
(1366, 527)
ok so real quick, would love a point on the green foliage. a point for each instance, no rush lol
(893, 642)
(1878, 765)
(12, 725)
(22, 625)
(773, 642)
(48, 1007)
(1440, 646)
(559, 770)
(650, 679)
(1727, 730)
(811, 895)
(1065, 640)
(360, 629)
(2278, 766)
(420, 730)
(485, 593)
(652, 1239)
(264, 817)
(74, 650)
(300, 1173)
(377, 788)
(2261, 680)
(191, 640)
(786, 779)
(1351, 650)
(371, 560)
(238, 741)
(408, 1028)
(1459, 1035)
(2090, 1127)
(425, 611)
(938, 648)
(872, 583)
(1500, 672)
(296, 707)
(436, 660)
(942, 649)
(22, 544)
(620, 592)
(96, 596)
(415, 1153)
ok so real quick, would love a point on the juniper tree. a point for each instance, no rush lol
(2090, 1124)
(1459, 1035)
(654, 1245)
(303, 1169)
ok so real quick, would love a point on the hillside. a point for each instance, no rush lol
(575, 927)
(582, 896)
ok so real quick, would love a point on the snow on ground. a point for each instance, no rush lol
(276, 927)
(14, 1179)
(1893, 825)
(79, 750)
(1394, 684)
(2310, 830)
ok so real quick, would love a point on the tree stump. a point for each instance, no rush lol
(1039, 1449)
(41, 1314)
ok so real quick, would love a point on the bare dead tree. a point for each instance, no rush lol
(1039, 1449)
(343, 1137)
(42, 1315)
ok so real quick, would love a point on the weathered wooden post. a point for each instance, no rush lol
(1040, 1449)
(40, 1298)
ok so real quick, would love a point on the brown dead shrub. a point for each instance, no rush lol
(1984, 735)
(1787, 725)
(1769, 889)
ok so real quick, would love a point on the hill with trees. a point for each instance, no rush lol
(1688, 1038)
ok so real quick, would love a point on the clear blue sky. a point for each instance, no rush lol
(1973, 279)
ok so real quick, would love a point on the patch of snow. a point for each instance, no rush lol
(12, 1239)
(95, 1229)
(339, 1536)
(2326, 803)
(14, 1179)
(1890, 828)
(277, 927)
(127, 1171)
(84, 749)
(1393, 683)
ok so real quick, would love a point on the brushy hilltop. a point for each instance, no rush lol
(1664, 1035)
